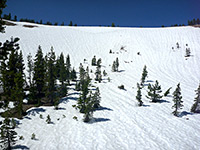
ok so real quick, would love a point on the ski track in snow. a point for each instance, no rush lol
(120, 124)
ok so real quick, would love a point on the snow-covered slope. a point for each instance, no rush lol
(121, 124)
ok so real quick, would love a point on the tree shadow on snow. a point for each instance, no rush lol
(149, 81)
(103, 108)
(185, 113)
(121, 71)
(35, 111)
(66, 99)
(145, 105)
(163, 101)
(96, 120)
(22, 147)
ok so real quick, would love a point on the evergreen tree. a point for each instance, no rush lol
(89, 108)
(114, 67)
(15, 18)
(73, 75)
(154, 92)
(62, 24)
(94, 63)
(39, 75)
(30, 69)
(196, 106)
(68, 67)
(2, 6)
(8, 135)
(99, 62)
(96, 98)
(113, 25)
(188, 52)
(144, 75)
(139, 95)
(98, 74)
(117, 63)
(51, 76)
(177, 100)
(62, 75)
(70, 24)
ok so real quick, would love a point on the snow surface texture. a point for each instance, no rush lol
(120, 124)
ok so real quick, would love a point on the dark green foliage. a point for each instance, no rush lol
(40, 22)
(70, 24)
(12, 75)
(121, 87)
(94, 63)
(51, 77)
(62, 24)
(8, 135)
(48, 120)
(187, 52)
(39, 75)
(177, 100)
(115, 65)
(144, 75)
(15, 18)
(2, 6)
(154, 92)
(68, 68)
(104, 73)
(73, 75)
(194, 21)
(98, 74)
(27, 20)
(196, 106)
(113, 25)
(96, 98)
(99, 62)
(167, 92)
(89, 108)
(139, 95)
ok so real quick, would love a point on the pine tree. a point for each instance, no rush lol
(62, 75)
(196, 106)
(15, 18)
(73, 75)
(98, 74)
(99, 62)
(2, 6)
(117, 63)
(68, 68)
(139, 95)
(114, 67)
(144, 75)
(96, 98)
(30, 69)
(177, 100)
(154, 92)
(39, 75)
(89, 108)
(94, 63)
(188, 52)
(8, 135)
(70, 24)
(48, 120)
(51, 76)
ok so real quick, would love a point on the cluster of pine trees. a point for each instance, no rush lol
(88, 100)
(154, 94)
(9, 17)
(194, 21)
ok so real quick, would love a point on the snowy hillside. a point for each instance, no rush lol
(120, 124)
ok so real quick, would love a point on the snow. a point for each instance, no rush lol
(120, 124)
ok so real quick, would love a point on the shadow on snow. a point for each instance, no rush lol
(35, 111)
(22, 147)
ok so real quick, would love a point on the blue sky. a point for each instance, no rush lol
(104, 12)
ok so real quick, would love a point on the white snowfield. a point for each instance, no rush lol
(120, 124)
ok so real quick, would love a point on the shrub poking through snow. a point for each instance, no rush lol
(33, 136)
(48, 120)
(167, 92)
(121, 87)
